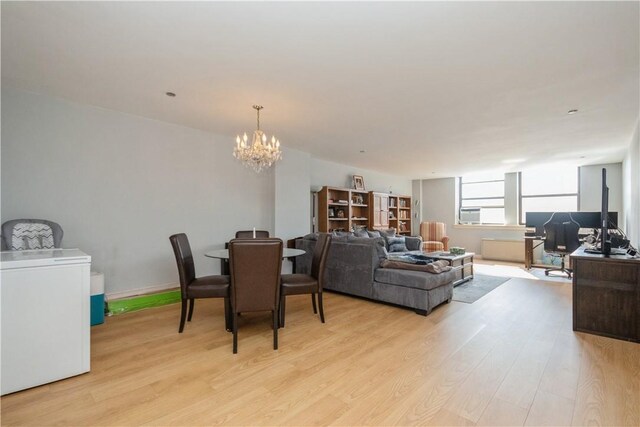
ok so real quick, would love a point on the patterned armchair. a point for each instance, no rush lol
(434, 236)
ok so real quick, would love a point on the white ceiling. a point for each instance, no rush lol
(427, 89)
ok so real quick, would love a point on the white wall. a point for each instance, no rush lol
(416, 193)
(292, 197)
(119, 185)
(324, 172)
(631, 189)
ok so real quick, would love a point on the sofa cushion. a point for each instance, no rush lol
(374, 233)
(397, 244)
(413, 279)
(432, 246)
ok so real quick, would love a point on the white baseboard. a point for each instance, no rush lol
(141, 291)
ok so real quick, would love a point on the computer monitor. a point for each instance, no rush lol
(605, 243)
(585, 219)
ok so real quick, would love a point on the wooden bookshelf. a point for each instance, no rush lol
(400, 213)
(404, 215)
(340, 209)
(359, 212)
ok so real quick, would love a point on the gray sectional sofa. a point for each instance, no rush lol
(353, 268)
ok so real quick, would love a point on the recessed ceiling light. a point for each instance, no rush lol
(572, 111)
(171, 94)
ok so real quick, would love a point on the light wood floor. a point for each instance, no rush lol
(511, 358)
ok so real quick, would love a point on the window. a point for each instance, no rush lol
(549, 189)
(483, 194)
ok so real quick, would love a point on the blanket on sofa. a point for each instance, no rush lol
(411, 258)
(434, 267)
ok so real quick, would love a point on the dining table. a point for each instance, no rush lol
(224, 253)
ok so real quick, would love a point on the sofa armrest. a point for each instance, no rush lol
(414, 243)
(445, 242)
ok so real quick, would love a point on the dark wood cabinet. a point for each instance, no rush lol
(606, 295)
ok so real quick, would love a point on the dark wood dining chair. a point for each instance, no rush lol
(255, 266)
(248, 234)
(201, 287)
(242, 234)
(300, 284)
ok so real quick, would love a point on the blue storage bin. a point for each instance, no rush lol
(97, 298)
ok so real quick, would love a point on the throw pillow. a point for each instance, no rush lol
(388, 233)
(373, 233)
(397, 244)
(361, 233)
(414, 243)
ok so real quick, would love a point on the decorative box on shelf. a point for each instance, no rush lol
(457, 251)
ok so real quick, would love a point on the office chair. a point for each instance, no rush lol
(561, 239)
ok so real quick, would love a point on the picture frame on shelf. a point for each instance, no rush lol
(332, 213)
(358, 182)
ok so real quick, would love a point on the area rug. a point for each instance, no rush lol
(471, 291)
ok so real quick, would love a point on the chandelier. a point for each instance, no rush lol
(261, 153)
